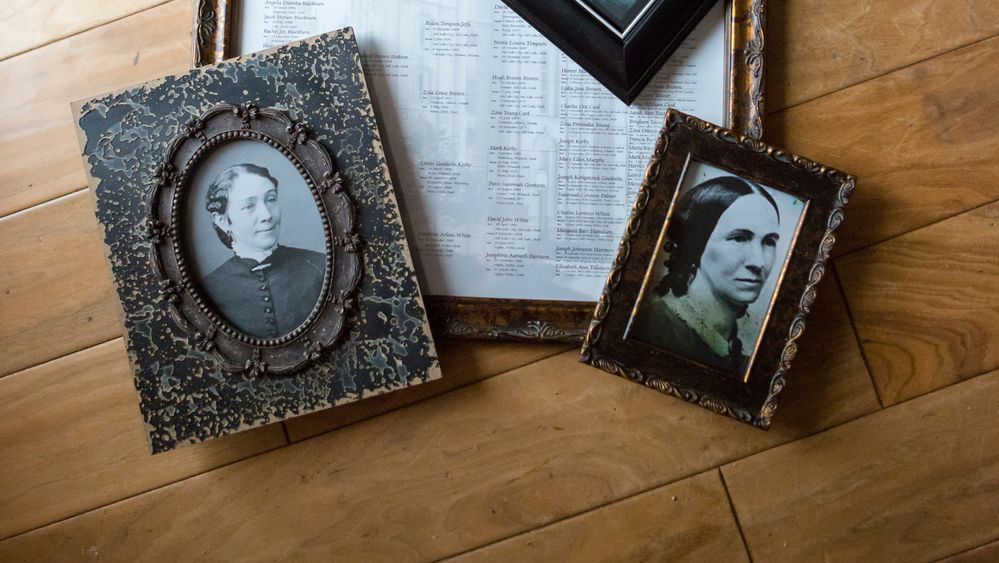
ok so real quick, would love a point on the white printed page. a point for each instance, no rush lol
(516, 169)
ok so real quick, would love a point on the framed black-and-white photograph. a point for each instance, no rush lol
(717, 270)
(263, 241)
(710, 287)
(255, 241)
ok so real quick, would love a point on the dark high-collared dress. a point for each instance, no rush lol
(659, 325)
(271, 298)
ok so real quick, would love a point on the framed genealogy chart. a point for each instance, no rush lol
(516, 169)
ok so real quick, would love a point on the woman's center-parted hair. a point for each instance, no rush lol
(217, 198)
(694, 219)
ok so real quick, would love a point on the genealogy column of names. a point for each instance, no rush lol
(516, 168)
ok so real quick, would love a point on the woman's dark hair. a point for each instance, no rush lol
(694, 219)
(217, 199)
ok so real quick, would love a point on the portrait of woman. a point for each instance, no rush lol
(264, 289)
(719, 252)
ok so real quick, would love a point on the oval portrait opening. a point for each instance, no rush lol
(254, 239)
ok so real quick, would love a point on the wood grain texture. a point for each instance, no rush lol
(484, 463)
(38, 138)
(914, 482)
(462, 363)
(819, 46)
(829, 373)
(549, 450)
(71, 440)
(926, 304)
(920, 140)
(55, 288)
(26, 24)
(988, 553)
(686, 521)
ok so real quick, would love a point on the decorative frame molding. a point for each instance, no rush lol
(215, 30)
(209, 331)
(828, 191)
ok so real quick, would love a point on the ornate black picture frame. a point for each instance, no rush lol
(669, 356)
(255, 242)
(235, 350)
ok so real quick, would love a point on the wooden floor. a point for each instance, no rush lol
(886, 446)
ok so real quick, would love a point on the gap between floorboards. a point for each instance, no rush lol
(58, 38)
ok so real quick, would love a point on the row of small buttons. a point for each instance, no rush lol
(266, 298)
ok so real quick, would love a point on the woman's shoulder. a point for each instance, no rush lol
(300, 257)
(659, 324)
(225, 271)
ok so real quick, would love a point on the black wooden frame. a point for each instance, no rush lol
(164, 227)
(624, 64)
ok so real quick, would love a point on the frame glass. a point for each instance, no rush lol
(491, 314)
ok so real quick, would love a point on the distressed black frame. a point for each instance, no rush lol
(211, 332)
(825, 191)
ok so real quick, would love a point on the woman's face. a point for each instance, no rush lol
(740, 253)
(252, 216)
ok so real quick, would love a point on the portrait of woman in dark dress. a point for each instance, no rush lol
(265, 289)
(721, 242)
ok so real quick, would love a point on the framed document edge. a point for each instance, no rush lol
(215, 39)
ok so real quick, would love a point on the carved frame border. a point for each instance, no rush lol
(164, 228)
(214, 37)
(595, 347)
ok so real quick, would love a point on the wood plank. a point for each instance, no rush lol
(477, 465)
(463, 362)
(926, 304)
(686, 521)
(911, 483)
(26, 24)
(921, 141)
(38, 139)
(55, 288)
(819, 46)
(988, 553)
(72, 440)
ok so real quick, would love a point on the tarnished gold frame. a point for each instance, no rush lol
(647, 281)
(827, 191)
(215, 26)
